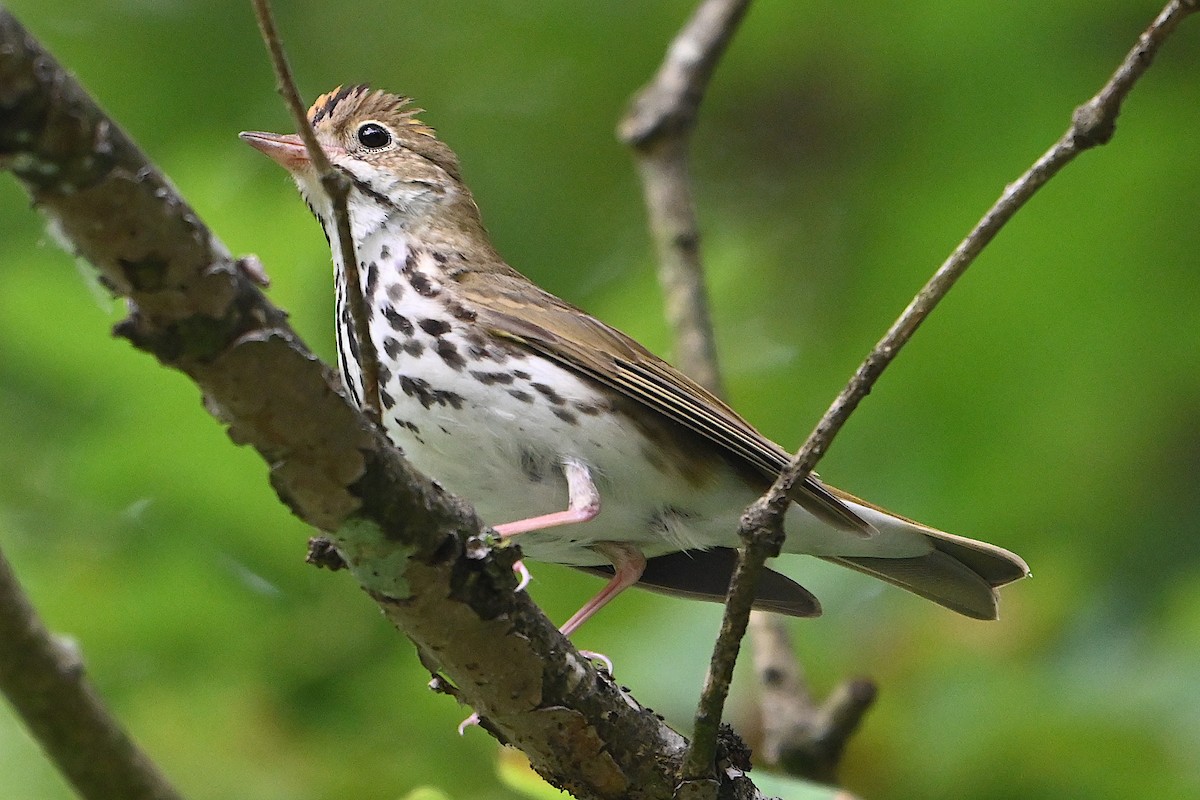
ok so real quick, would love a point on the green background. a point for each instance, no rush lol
(1050, 405)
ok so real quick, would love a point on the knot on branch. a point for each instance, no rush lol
(655, 115)
(1093, 124)
(761, 525)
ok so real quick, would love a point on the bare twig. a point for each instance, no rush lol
(658, 126)
(337, 186)
(43, 677)
(1092, 124)
(800, 735)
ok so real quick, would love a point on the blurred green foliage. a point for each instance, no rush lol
(1050, 405)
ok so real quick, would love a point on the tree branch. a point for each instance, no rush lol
(1092, 124)
(43, 677)
(413, 548)
(658, 126)
(800, 735)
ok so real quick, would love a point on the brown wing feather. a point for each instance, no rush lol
(586, 345)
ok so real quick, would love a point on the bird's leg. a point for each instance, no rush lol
(583, 504)
(629, 563)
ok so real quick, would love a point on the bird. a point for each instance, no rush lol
(564, 433)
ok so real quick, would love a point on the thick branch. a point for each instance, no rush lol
(406, 542)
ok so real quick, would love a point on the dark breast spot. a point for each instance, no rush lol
(391, 346)
(372, 279)
(449, 354)
(435, 327)
(414, 347)
(521, 374)
(459, 311)
(385, 252)
(523, 396)
(398, 321)
(408, 426)
(423, 286)
(548, 392)
(395, 292)
(590, 409)
(387, 400)
(491, 378)
(426, 395)
(565, 416)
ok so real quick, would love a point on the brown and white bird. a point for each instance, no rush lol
(556, 426)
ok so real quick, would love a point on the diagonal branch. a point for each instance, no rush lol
(1092, 124)
(43, 678)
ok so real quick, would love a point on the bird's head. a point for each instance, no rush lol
(395, 163)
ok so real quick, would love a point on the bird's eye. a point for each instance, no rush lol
(374, 136)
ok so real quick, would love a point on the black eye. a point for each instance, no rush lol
(374, 136)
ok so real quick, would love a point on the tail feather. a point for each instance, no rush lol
(936, 576)
(959, 573)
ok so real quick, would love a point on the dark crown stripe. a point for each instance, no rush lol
(328, 102)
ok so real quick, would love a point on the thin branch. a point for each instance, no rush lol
(801, 736)
(658, 126)
(337, 186)
(43, 678)
(1092, 124)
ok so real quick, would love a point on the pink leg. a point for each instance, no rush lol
(583, 504)
(629, 564)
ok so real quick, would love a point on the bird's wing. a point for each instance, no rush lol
(559, 331)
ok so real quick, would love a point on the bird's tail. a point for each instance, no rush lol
(959, 573)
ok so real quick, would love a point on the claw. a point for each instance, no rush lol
(523, 571)
(467, 723)
(604, 660)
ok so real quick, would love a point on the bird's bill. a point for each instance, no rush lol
(287, 150)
